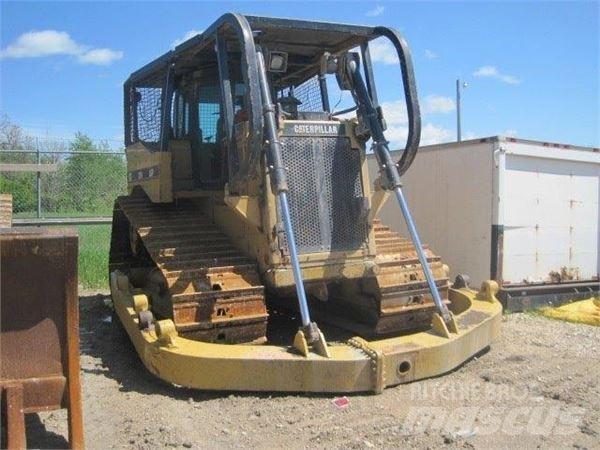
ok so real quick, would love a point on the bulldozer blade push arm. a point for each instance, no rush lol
(442, 308)
(279, 182)
(350, 65)
(357, 365)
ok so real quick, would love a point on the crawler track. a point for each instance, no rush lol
(394, 299)
(405, 302)
(196, 277)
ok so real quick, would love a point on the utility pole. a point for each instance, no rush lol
(458, 125)
(38, 181)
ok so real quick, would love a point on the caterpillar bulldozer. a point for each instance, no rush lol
(251, 218)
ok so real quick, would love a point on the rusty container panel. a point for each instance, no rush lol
(39, 339)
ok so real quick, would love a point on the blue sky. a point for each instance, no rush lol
(532, 68)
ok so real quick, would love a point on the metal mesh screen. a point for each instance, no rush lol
(299, 158)
(209, 111)
(143, 108)
(325, 192)
(180, 116)
(148, 101)
(309, 93)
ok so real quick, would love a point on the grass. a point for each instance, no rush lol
(61, 214)
(94, 244)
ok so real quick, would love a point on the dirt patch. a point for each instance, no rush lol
(536, 387)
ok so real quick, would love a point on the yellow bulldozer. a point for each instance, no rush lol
(251, 218)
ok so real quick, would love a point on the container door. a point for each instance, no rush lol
(550, 220)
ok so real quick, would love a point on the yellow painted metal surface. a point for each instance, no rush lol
(354, 366)
(246, 206)
(151, 171)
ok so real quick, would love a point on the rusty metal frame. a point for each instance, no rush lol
(27, 389)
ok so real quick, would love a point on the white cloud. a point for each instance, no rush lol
(377, 11)
(383, 52)
(510, 79)
(100, 56)
(430, 55)
(486, 71)
(396, 135)
(41, 43)
(395, 112)
(36, 44)
(437, 104)
(397, 125)
(493, 72)
(396, 119)
(432, 134)
(190, 34)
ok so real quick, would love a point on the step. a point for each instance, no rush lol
(153, 234)
(397, 262)
(202, 263)
(160, 223)
(152, 244)
(198, 254)
(387, 234)
(171, 252)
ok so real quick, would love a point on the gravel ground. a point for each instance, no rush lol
(537, 387)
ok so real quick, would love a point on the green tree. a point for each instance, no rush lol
(20, 184)
(92, 180)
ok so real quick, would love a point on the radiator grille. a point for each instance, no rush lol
(325, 193)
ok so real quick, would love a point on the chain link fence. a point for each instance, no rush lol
(53, 179)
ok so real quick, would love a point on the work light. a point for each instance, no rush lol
(278, 61)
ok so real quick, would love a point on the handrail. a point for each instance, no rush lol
(410, 94)
(250, 73)
(351, 71)
(243, 31)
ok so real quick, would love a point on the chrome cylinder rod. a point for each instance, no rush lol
(289, 234)
(278, 178)
(421, 254)
(389, 169)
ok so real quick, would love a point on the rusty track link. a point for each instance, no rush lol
(400, 287)
(208, 287)
(394, 298)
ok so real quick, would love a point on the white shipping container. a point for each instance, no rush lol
(522, 212)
